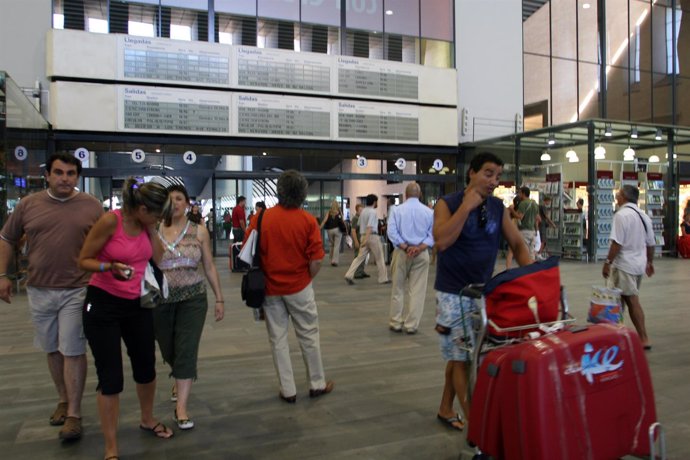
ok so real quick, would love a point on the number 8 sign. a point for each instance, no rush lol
(20, 153)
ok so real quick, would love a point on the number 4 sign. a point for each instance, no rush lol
(189, 157)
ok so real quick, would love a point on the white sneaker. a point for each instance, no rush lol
(183, 423)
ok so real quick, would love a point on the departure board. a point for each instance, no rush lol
(283, 116)
(276, 69)
(365, 77)
(177, 61)
(383, 122)
(173, 110)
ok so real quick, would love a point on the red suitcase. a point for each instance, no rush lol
(484, 430)
(581, 394)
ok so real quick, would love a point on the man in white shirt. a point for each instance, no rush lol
(368, 225)
(631, 255)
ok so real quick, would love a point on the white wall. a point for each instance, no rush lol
(23, 27)
(489, 63)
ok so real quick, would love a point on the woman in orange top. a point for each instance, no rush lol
(291, 250)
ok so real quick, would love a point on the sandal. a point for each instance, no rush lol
(173, 393)
(159, 433)
(60, 414)
(451, 421)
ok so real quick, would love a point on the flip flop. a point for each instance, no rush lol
(159, 433)
(451, 420)
(647, 347)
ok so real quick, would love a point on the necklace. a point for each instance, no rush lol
(61, 200)
(171, 246)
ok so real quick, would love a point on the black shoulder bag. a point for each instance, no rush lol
(254, 282)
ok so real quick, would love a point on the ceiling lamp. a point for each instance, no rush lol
(608, 132)
(545, 156)
(658, 134)
(570, 153)
(628, 154)
(600, 152)
(675, 155)
(552, 139)
(654, 159)
(573, 158)
(633, 133)
(586, 6)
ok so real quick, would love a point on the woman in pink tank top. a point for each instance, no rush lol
(117, 250)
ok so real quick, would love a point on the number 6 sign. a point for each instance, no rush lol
(81, 154)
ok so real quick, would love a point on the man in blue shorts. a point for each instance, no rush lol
(467, 228)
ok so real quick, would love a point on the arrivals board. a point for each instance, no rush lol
(176, 61)
(282, 116)
(173, 110)
(377, 121)
(373, 78)
(277, 69)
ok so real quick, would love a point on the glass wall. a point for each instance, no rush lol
(643, 44)
(412, 31)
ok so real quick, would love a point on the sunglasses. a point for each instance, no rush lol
(483, 215)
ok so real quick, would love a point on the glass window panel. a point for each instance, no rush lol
(537, 89)
(278, 34)
(535, 32)
(437, 53)
(641, 29)
(189, 4)
(324, 12)
(236, 30)
(589, 90)
(240, 7)
(640, 99)
(402, 17)
(564, 91)
(683, 100)
(617, 93)
(588, 43)
(563, 17)
(364, 15)
(683, 43)
(662, 99)
(279, 9)
(437, 20)
(141, 20)
(317, 38)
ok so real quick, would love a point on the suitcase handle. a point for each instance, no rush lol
(655, 428)
(576, 329)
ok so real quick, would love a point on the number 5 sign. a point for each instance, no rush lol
(138, 156)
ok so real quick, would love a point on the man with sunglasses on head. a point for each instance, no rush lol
(468, 225)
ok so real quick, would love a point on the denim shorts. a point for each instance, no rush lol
(455, 312)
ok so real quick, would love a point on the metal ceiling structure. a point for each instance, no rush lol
(529, 7)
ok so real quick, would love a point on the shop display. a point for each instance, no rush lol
(604, 207)
(654, 206)
(554, 189)
(573, 234)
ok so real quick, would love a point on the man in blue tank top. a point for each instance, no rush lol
(467, 228)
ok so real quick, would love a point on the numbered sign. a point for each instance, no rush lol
(362, 162)
(189, 157)
(400, 163)
(438, 164)
(20, 153)
(81, 154)
(138, 156)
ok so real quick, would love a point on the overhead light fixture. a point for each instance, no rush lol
(545, 156)
(158, 150)
(552, 139)
(570, 153)
(586, 6)
(264, 153)
(573, 158)
(658, 134)
(675, 155)
(389, 12)
(628, 154)
(654, 159)
(608, 132)
(633, 132)
(600, 152)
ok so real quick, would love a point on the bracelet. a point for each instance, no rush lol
(220, 301)
(607, 262)
(4, 275)
(102, 267)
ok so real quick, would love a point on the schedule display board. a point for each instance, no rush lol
(282, 116)
(377, 121)
(366, 77)
(173, 110)
(276, 69)
(163, 60)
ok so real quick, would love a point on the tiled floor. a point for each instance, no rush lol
(387, 391)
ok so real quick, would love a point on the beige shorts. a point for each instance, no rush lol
(629, 284)
(57, 318)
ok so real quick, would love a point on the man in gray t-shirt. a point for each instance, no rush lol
(370, 242)
(527, 215)
(55, 223)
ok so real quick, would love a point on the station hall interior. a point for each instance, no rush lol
(577, 97)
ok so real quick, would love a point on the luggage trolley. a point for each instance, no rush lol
(527, 308)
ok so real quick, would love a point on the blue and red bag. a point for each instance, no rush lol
(507, 296)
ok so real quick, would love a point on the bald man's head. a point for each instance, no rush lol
(412, 190)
